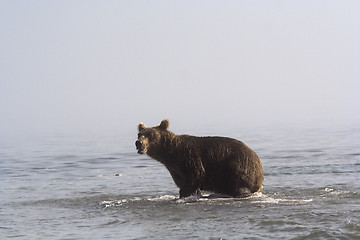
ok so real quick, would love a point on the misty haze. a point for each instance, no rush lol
(77, 77)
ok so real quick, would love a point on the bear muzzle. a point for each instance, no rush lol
(140, 147)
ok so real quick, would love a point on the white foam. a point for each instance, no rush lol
(257, 198)
(162, 198)
(335, 192)
(262, 198)
(112, 203)
(189, 199)
(116, 203)
(328, 189)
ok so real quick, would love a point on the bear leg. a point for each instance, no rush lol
(242, 192)
(189, 189)
(186, 192)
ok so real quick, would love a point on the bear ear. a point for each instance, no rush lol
(164, 125)
(141, 126)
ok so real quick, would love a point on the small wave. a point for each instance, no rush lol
(332, 191)
(116, 203)
(107, 158)
(257, 198)
(112, 203)
(140, 166)
(162, 198)
(352, 225)
(262, 198)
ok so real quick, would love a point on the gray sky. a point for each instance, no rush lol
(106, 65)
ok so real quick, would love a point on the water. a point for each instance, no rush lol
(98, 187)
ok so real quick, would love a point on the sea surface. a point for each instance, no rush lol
(98, 187)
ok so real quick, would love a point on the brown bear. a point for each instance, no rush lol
(216, 164)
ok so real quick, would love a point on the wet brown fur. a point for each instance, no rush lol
(217, 164)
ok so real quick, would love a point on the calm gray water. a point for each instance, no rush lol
(66, 188)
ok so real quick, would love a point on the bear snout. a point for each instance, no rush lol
(138, 144)
(139, 147)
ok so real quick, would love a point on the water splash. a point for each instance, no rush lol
(335, 192)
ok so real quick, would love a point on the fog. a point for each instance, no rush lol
(104, 66)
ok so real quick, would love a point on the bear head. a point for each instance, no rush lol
(151, 138)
